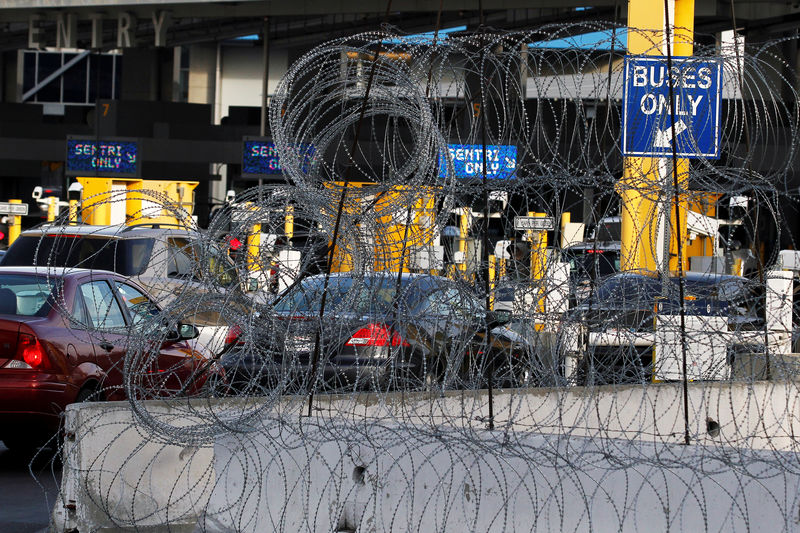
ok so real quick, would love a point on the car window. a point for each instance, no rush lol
(219, 265)
(140, 307)
(450, 301)
(104, 311)
(128, 257)
(79, 311)
(344, 294)
(25, 295)
(180, 258)
(630, 289)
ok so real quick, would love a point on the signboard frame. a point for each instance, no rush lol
(537, 223)
(251, 138)
(100, 173)
(7, 208)
(478, 174)
(266, 175)
(640, 134)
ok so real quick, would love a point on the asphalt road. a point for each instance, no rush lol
(27, 491)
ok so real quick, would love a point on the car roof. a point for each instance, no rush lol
(709, 277)
(116, 231)
(374, 275)
(56, 272)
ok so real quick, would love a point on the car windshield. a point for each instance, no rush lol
(593, 263)
(643, 290)
(370, 295)
(24, 295)
(128, 257)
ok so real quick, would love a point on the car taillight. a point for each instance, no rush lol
(234, 335)
(30, 350)
(375, 335)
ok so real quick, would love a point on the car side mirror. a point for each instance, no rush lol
(183, 332)
(188, 332)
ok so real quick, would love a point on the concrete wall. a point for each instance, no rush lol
(559, 459)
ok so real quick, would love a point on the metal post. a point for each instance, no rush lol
(52, 208)
(492, 277)
(14, 225)
(73, 212)
(640, 187)
(463, 228)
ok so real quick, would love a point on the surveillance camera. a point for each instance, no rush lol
(37, 192)
(75, 190)
(230, 196)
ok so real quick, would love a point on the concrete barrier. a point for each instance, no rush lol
(558, 459)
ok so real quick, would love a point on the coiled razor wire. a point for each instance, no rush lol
(356, 378)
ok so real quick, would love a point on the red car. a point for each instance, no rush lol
(64, 334)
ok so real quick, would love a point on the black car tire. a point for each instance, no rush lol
(23, 444)
(88, 394)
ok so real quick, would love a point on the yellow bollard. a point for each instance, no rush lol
(462, 240)
(254, 248)
(14, 225)
(73, 212)
(52, 208)
(538, 240)
(492, 272)
(288, 223)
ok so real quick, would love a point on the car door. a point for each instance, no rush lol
(166, 366)
(440, 319)
(108, 331)
(79, 344)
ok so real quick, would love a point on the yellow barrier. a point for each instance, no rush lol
(14, 225)
(109, 201)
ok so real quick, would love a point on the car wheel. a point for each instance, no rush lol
(23, 444)
(88, 394)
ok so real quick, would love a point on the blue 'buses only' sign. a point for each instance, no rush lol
(647, 125)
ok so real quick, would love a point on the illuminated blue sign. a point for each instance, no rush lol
(93, 157)
(260, 157)
(468, 161)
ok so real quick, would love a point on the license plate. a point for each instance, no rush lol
(300, 344)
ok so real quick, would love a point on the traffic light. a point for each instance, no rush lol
(3, 233)
(235, 248)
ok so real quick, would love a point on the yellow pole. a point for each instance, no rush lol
(683, 45)
(538, 240)
(254, 248)
(641, 185)
(492, 272)
(52, 208)
(14, 225)
(538, 250)
(288, 223)
(462, 241)
(73, 212)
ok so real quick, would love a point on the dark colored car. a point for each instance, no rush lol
(627, 303)
(589, 265)
(64, 334)
(370, 336)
